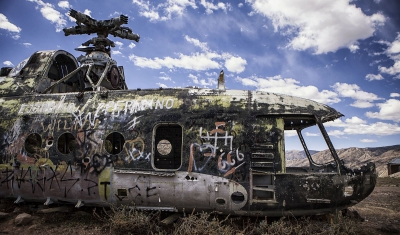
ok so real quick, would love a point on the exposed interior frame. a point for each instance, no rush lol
(299, 123)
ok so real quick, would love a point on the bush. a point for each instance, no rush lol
(202, 223)
(128, 220)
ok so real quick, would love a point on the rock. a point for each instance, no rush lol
(23, 219)
(3, 215)
(54, 209)
(352, 214)
(17, 210)
(33, 227)
(170, 219)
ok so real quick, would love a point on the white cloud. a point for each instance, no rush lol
(194, 78)
(312, 134)
(119, 44)
(195, 61)
(349, 121)
(210, 7)
(368, 141)
(362, 99)
(196, 42)
(167, 10)
(165, 77)
(355, 120)
(394, 47)
(209, 82)
(290, 133)
(48, 12)
(235, 64)
(353, 48)
(64, 4)
(371, 77)
(116, 13)
(5, 24)
(198, 61)
(393, 52)
(390, 110)
(87, 12)
(357, 126)
(8, 63)
(213, 74)
(290, 86)
(378, 128)
(394, 70)
(27, 44)
(394, 95)
(323, 26)
(336, 133)
(162, 85)
(114, 52)
(132, 45)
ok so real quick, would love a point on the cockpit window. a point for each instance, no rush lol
(17, 69)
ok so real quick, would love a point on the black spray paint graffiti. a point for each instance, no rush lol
(213, 149)
(49, 180)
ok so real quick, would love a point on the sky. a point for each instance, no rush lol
(345, 54)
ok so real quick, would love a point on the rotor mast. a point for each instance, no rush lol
(88, 25)
(97, 70)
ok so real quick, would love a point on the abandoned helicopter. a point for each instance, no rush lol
(72, 132)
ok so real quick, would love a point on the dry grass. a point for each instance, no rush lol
(126, 220)
(202, 223)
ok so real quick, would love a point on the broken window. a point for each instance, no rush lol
(167, 146)
(33, 143)
(304, 136)
(114, 143)
(61, 66)
(66, 143)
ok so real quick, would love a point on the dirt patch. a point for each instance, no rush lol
(381, 210)
(377, 214)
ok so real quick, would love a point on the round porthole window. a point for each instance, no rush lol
(114, 143)
(237, 197)
(164, 147)
(66, 143)
(33, 143)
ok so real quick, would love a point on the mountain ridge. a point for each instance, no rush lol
(353, 157)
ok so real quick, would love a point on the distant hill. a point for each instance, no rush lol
(298, 154)
(353, 157)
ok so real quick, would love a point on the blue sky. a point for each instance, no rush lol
(342, 53)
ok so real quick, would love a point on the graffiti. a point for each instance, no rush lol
(45, 179)
(226, 160)
(132, 124)
(105, 184)
(89, 142)
(9, 177)
(115, 108)
(135, 150)
(47, 107)
(11, 144)
(99, 162)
